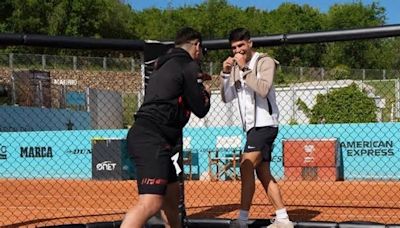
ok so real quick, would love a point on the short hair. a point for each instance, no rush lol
(187, 34)
(239, 34)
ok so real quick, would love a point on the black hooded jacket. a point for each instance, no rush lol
(175, 89)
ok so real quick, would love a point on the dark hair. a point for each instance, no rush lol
(239, 34)
(187, 34)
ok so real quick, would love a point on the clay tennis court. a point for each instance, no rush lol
(33, 203)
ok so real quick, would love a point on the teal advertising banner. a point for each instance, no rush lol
(50, 154)
(369, 151)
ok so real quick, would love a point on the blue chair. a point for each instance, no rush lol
(192, 160)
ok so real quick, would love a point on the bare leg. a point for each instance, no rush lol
(247, 166)
(147, 206)
(170, 208)
(270, 185)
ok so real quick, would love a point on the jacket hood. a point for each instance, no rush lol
(172, 53)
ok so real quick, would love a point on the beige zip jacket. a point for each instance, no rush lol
(258, 80)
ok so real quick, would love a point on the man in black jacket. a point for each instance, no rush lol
(174, 91)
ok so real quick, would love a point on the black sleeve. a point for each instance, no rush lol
(195, 96)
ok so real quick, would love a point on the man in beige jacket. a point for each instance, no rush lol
(248, 76)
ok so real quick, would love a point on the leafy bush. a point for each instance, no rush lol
(340, 72)
(344, 105)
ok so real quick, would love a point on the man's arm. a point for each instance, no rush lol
(195, 94)
(227, 92)
(266, 70)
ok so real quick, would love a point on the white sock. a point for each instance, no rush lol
(281, 215)
(243, 215)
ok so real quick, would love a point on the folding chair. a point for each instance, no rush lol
(190, 160)
(187, 161)
(225, 160)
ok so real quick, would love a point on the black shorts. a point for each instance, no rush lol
(152, 158)
(261, 139)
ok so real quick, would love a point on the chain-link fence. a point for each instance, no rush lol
(64, 119)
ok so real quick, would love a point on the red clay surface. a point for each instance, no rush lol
(33, 203)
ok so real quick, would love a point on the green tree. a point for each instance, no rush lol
(355, 54)
(291, 18)
(156, 24)
(149, 26)
(92, 18)
(6, 9)
(340, 72)
(30, 16)
(219, 18)
(390, 53)
(89, 18)
(75, 18)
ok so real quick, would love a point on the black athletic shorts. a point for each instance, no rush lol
(152, 158)
(261, 139)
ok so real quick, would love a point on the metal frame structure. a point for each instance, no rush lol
(140, 45)
(7, 39)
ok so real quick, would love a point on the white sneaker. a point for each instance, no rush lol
(238, 224)
(280, 224)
